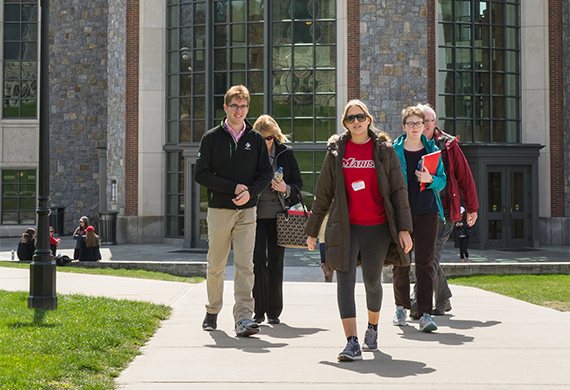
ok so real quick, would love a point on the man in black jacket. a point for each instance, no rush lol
(233, 164)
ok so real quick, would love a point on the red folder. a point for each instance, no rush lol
(430, 162)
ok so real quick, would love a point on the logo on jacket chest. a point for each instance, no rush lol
(247, 146)
(354, 163)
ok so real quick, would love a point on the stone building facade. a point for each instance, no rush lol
(78, 105)
(566, 114)
(393, 59)
(118, 85)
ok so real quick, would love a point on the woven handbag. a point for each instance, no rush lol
(291, 228)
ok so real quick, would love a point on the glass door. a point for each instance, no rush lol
(199, 215)
(508, 207)
(518, 215)
(495, 207)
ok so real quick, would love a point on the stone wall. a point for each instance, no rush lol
(393, 49)
(566, 108)
(78, 104)
(117, 44)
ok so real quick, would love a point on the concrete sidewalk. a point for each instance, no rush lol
(487, 342)
(293, 257)
(173, 259)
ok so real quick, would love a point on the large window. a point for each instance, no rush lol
(175, 194)
(479, 70)
(18, 197)
(283, 51)
(20, 65)
(303, 68)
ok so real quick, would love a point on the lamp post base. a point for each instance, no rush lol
(42, 286)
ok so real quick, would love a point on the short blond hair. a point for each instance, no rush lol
(239, 92)
(413, 110)
(265, 124)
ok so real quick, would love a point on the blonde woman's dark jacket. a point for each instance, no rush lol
(330, 197)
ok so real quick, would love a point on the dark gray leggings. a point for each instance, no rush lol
(372, 242)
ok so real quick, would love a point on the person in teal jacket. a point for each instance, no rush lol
(426, 208)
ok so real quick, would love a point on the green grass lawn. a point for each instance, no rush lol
(88, 341)
(84, 344)
(546, 290)
(140, 274)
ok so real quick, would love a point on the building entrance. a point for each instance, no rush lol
(508, 208)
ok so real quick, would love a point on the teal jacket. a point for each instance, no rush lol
(439, 179)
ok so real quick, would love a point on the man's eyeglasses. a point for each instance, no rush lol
(360, 117)
(411, 125)
(429, 120)
(235, 107)
(269, 138)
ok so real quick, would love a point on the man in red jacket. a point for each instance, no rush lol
(459, 179)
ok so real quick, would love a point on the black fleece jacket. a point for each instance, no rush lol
(222, 165)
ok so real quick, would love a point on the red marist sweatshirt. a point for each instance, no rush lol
(365, 204)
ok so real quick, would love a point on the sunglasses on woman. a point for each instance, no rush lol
(360, 117)
(269, 137)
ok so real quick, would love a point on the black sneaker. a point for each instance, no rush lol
(414, 310)
(210, 322)
(441, 307)
(370, 340)
(351, 352)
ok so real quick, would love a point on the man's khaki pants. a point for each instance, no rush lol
(227, 227)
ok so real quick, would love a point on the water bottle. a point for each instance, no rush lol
(278, 176)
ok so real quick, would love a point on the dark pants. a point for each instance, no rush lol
(441, 290)
(372, 243)
(424, 236)
(463, 243)
(268, 269)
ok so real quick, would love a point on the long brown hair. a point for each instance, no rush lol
(91, 239)
(29, 233)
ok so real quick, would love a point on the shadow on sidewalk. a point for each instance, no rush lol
(284, 331)
(451, 322)
(254, 344)
(384, 366)
(441, 337)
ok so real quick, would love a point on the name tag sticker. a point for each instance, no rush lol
(358, 185)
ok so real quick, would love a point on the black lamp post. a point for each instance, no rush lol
(42, 269)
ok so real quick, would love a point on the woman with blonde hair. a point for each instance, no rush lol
(362, 189)
(283, 192)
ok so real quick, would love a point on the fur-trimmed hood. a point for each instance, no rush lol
(379, 138)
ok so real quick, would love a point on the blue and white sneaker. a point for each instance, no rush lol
(400, 316)
(246, 328)
(427, 324)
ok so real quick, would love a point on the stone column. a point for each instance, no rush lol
(102, 148)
